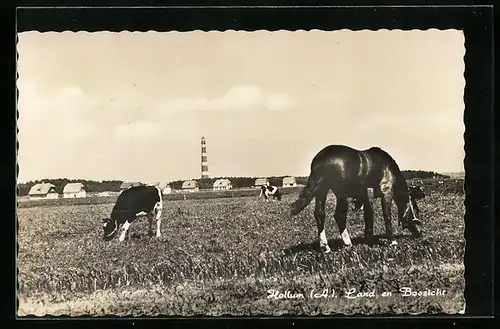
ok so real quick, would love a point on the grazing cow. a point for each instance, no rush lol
(416, 193)
(269, 190)
(132, 203)
(348, 172)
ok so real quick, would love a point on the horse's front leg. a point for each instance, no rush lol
(341, 219)
(368, 217)
(319, 215)
(387, 213)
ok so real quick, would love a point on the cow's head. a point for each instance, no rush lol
(408, 212)
(416, 192)
(110, 228)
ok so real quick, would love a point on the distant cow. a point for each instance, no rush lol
(269, 190)
(416, 193)
(132, 203)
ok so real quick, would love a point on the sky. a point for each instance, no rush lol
(134, 105)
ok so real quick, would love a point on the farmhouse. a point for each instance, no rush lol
(415, 181)
(74, 190)
(43, 191)
(190, 186)
(167, 189)
(126, 185)
(289, 181)
(261, 181)
(222, 184)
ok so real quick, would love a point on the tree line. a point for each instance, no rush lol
(203, 183)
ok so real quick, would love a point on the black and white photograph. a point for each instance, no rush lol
(241, 173)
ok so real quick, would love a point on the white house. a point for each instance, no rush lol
(261, 181)
(190, 186)
(222, 184)
(167, 189)
(43, 191)
(74, 190)
(289, 181)
(126, 185)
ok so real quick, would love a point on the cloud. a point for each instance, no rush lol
(238, 98)
(278, 102)
(137, 131)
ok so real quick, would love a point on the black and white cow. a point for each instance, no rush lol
(132, 203)
(269, 190)
(416, 193)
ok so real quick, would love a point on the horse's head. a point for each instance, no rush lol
(408, 212)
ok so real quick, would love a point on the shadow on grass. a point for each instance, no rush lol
(337, 244)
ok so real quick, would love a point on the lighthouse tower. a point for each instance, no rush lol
(204, 162)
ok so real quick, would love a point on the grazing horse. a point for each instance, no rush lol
(269, 190)
(132, 203)
(348, 172)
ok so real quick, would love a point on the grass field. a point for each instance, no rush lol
(222, 255)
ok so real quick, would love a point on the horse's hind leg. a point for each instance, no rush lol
(341, 219)
(319, 215)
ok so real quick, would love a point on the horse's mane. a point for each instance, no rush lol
(390, 160)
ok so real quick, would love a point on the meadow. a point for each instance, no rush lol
(223, 256)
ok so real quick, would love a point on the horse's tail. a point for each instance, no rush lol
(307, 194)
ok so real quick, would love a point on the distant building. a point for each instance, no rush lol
(127, 185)
(74, 190)
(415, 181)
(289, 181)
(43, 191)
(153, 184)
(261, 181)
(222, 184)
(190, 186)
(167, 189)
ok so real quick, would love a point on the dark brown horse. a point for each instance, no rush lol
(348, 172)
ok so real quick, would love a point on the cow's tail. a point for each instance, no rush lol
(307, 194)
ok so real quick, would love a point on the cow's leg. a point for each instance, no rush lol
(150, 224)
(341, 219)
(319, 215)
(125, 228)
(415, 207)
(158, 221)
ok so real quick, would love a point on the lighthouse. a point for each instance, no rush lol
(204, 162)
